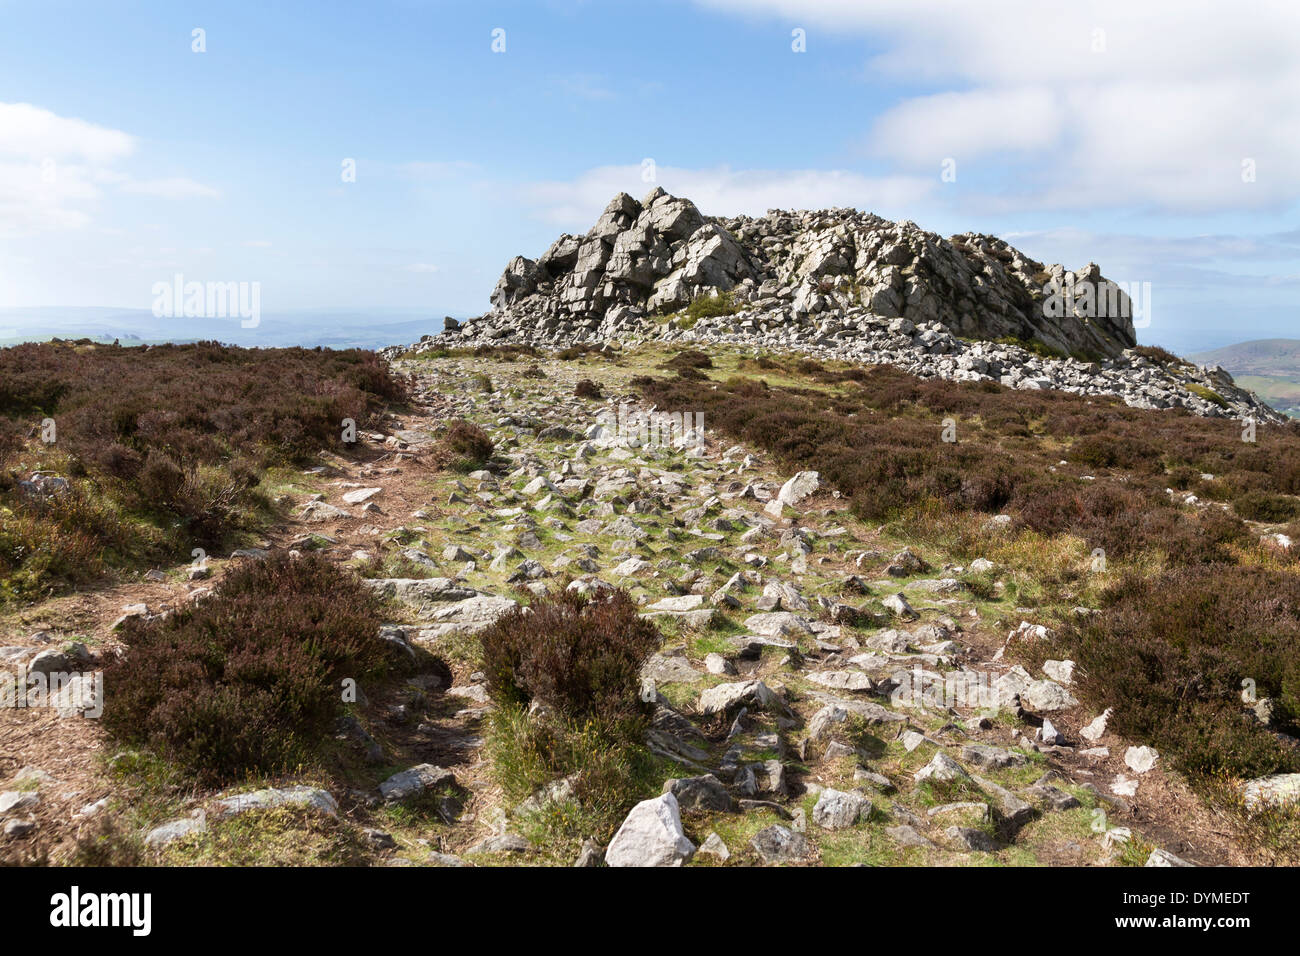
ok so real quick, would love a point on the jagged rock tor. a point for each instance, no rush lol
(843, 284)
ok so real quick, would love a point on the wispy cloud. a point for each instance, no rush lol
(29, 132)
(53, 169)
(435, 170)
(1100, 105)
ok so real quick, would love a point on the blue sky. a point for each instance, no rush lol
(126, 157)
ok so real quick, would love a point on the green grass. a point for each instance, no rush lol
(284, 836)
(710, 306)
(1209, 394)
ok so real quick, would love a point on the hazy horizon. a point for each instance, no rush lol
(335, 328)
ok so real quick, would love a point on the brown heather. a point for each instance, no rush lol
(582, 660)
(163, 445)
(580, 656)
(249, 680)
(876, 436)
(1178, 649)
(465, 447)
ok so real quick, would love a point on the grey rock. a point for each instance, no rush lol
(307, 797)
(590, 855)
(161, 836)
(700, 793)
(651, 835)
(1045, 696)
(906, 836)
(971, 838)
(1280, 790)
(777, 844)
(715, 848)
(992, 758)
(1161, 857)
(500, 843)
(409, 783)
(838, 809)
(12, 800)
(942, 768)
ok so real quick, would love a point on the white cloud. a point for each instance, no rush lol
(43, 197)
(1101, 103)
(722, 191)
(35, 134)
(927, 129)
(53, 169)
(257, 243)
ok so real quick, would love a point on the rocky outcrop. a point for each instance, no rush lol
(650, 258)
(840, 284)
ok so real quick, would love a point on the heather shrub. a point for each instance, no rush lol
(709, 306)
(579, 661)
(465, 447)
(249, 680)
(689, 359)
(1172, 654)
(579, 351)
(586, 388)
(160, 478)
(762, 361)
(1100, 451)
(67, 538)
(876, 439)
(157, 439)
(1155, 353)
(195, 402)
(581, 657)
(1265, 506)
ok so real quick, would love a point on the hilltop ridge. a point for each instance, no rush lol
(839, 283)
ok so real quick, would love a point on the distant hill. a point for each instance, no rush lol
(333, 328)
(1268, 367)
